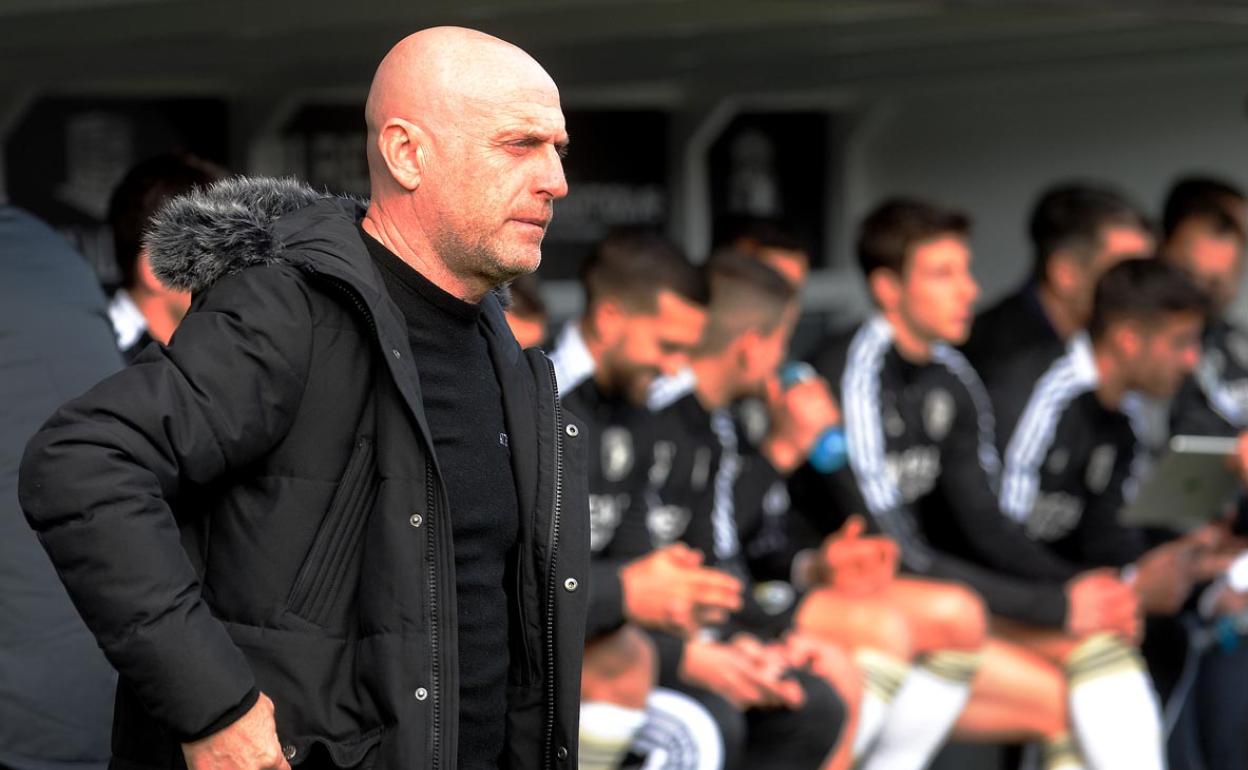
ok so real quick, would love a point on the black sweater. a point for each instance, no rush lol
(464, 405)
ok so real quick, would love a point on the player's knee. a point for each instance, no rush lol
(961, 617)
(805, 736)
(824, 712)
(892, 634)
(1052, 712)
(619, 668)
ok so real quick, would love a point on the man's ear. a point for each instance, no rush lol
(1063, 272)
(885, 286)
(1128, 339)
(146, 278)
(749, 346)
(404, 146)
(609, 322)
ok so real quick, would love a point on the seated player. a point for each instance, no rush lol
(1078, 231)
(739, 521)
(1069, 460)
(644, 311)
(923, 463)
(1205, 239)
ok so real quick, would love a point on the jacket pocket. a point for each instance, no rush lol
(331, 568)
(320, 754)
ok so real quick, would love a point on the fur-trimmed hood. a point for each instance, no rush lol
(196, 239)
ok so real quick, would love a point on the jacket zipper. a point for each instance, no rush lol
(552, 578)
(430, 502)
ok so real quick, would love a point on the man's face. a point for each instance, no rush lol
(1117, 243)
(653, 344)
(938, 290)
(1166, 355)
(761, 353)
(494, 175)
(1214, 260)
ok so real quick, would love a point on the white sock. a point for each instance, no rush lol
(882, 675)
(680, 732)
(607, 731)
(924, 711)
(1060, 753)
(1113, 707)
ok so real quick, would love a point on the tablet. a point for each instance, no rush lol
(1190, 486)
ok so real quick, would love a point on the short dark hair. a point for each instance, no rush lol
(1143, 290)
(764, 232)
(1071, 216)
(746, 295)
(1200, 197)
(888, 235)
(141, 192)
(633, 266)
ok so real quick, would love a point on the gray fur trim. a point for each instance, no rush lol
(196, 239)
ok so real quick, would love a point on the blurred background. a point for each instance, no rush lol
(682, 113)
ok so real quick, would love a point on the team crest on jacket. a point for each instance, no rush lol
(661, 467)
(666, 523)
(605, 514)
(617, 453)
(701, 473)
(1100, 468)
(894, 425)
(1058, 459)
(938, 409)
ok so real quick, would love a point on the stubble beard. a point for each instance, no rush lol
(485, 261)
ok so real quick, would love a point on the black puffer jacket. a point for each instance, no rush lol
(257, 508)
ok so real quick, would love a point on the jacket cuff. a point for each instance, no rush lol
(671, 651)
(226, 719)
(1052, 608)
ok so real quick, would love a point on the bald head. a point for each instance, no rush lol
(465, 140)
(438, 76)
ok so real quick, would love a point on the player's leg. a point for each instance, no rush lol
(1018, 695)
(877, 637)
(617, 677)
(948, 626)
(1114, 708)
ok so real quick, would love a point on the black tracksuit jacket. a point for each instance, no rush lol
(923, 467)
(257, 508)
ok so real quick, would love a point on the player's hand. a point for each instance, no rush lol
(823, 659)
(670, 590)
(739, 672)
(858, 564)
(250, 743)
(799, 415)
(1100, 602)
(771, 664)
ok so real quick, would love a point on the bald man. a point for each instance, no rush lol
(340, 520)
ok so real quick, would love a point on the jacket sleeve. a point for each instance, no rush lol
(100, 480)
(1040, 602)
(764, 520)
(967, 481)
